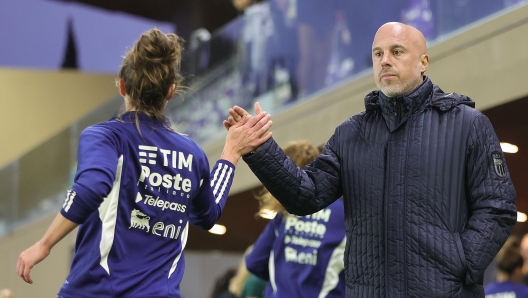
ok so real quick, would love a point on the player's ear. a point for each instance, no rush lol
(122, 89)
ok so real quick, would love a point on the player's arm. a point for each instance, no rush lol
(207, 206)
(241, 138)
(98, 163)
(257, 261)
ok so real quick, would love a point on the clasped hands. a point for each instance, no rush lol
(245, 132)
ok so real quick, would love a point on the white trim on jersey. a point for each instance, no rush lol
(69, 200)
(335, 266)
(108, 216)
(183, 238)
(216, 174)
(224, 185)
(222, 181)
(271, 269)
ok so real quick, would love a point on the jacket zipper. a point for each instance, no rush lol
(386, 205)
(410, 121)
(397, 112)
(386, 201)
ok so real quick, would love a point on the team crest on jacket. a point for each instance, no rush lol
(498, 164)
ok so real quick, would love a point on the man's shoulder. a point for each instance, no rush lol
(353, 120)
(447, 101)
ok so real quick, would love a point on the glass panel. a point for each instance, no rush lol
(36, 184)
(8, 196)
(43, 176)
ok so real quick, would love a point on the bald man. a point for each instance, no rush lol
(399, 59)
(428, 197)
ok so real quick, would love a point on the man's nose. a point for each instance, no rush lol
(386, 61)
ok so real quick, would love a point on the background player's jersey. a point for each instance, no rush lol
(134, 196)
(302, 256)
(506, 289)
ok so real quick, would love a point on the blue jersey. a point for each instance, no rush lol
(302, 256)
(134, 197)
(506, 289)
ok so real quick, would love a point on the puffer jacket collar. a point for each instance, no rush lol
(445, 102)
(396, 110)
(424, 98)
(412, 101)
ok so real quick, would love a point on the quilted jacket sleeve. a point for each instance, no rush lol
(301, 191)
(491, 200)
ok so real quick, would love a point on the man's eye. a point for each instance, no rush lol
(397, 52)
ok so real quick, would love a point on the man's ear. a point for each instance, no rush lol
(424, 63)
(122, 89)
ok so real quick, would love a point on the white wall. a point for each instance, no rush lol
(36, 105)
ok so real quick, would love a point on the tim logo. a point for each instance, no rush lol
(147, 154)
(498, 164)
(139, 220)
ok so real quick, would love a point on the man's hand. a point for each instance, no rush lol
(237, 114)
(246, 135)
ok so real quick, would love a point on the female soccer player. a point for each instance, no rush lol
(138, 186)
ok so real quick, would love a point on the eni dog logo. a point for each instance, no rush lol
(139, 220)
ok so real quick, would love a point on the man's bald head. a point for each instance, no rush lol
(405, 32)
(399, 58)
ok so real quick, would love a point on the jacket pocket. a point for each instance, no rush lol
(461, 269)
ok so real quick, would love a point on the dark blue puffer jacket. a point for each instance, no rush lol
(428, 198)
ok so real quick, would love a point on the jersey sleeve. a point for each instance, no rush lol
(97, 160)
(207, 206)
(257, 261)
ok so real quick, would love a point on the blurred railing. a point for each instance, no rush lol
(36, 183)
(277, 53)
(282, 51)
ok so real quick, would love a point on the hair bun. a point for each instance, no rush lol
(150, 69)
(154, 48)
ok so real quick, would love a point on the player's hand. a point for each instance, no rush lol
(237, 114)
(29, 258)
(246, 135)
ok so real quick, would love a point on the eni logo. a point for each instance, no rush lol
(139, 220)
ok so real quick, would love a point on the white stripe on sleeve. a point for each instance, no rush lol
(69, 200)
(220, 179)
(224, 185)
(215, 175)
